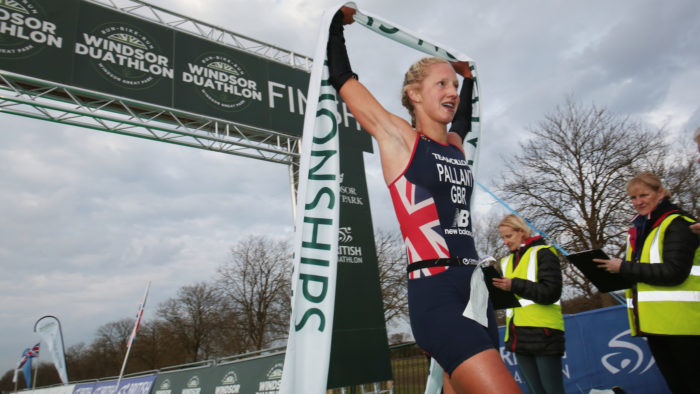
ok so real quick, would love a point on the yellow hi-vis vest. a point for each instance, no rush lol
(665, 310)
(530, 314)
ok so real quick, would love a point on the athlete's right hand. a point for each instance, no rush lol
(462, 68)
(348, 12)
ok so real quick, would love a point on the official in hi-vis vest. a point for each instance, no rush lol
(535, 331)
(663, 258)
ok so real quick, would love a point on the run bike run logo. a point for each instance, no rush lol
(24, 29)
(124, 56)
(222, 82)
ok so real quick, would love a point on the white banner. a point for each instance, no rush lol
(65, 389)
(316, 245)
(49, 329)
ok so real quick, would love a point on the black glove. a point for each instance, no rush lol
(462, 122)
(338, 62)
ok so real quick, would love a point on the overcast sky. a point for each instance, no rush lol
(87, 218)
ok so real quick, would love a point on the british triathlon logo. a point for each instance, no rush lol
(25, 30)
(222, 82)
(348, 253)
(125, 56)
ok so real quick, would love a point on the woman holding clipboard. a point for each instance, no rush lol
(535, 331)
(663, 259)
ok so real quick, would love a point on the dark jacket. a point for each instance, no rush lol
(678, 249)
(547, 290)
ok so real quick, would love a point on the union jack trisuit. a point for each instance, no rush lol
(451, 318)
(431, 199)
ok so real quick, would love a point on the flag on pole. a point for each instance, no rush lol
(20, 363)
(25, 364)
(34, 352)
(28, 354)
(139, 315)
(27, 369)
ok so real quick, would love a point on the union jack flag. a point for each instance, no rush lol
(34, 352)
(31, 353)
(420, 225)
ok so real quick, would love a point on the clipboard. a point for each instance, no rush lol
(605, 281)
(501, 299)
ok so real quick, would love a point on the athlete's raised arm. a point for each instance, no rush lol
(394, 135)
(367, 110)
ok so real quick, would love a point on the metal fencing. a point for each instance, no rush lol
(409, 367)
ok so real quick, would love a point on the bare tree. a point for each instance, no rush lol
(257, 283)
(77, 362)
(681, 176)
(391, 261)
(104, 356)
(194, 318)
(110, 345)
(569, 179)
(152, 348)
(488, 240)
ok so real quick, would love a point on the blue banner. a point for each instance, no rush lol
(136, 385)
(27, 368)
(84, 388)
(600, 354)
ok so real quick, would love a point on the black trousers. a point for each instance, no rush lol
(678, 358)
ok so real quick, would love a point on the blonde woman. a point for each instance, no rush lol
(535, 331)
(430, 184)
(663, 258)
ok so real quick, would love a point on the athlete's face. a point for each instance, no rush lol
(512, 238)
(438, 95)
(644, 198)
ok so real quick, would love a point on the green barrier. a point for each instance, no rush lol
(254, 376)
